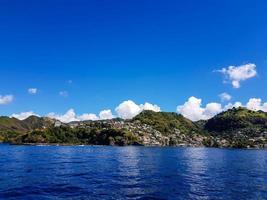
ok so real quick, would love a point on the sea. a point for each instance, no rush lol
(132, 172)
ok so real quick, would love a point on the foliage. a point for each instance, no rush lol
(67, 135)
(239, 128)
(167, 122)
(237, 119)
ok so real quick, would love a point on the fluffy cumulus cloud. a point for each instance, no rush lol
(86, 116)
(236, 74)
(225, 97)
(24, 115)
(256, 105)
(32, 90)
(212, 109)
(148, 106)
(106, 114)
(71, 116)
(126, 110)
(129, 109)
(193, 110)
(6, 99)
(231, 105)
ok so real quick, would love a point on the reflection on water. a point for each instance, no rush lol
(50, 172)
(128, 172)
(196, 161)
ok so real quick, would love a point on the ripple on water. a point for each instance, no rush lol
(49, 172)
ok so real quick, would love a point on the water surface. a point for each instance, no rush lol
(89, 172)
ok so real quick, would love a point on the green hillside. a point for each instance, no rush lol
(238, 119)
(11, 127)
(166, 122)
(240, 128)
(12, 124)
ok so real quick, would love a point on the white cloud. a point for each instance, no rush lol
(64, 93)
(24, 115)
(193, 110)
(264, 107)
(106, 114)
(32, 90)
(225, 97)
(235, 105)
(148, 106)
(212, 109)
(6, 99)
(89, 116)
(126, 110)
(256, 104)
(129, 109)
(240, 73)
(71, 116)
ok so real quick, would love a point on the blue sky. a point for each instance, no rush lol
(162, 52)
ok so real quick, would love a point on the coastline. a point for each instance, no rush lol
(145, 146)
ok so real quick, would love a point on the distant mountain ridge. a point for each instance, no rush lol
(237, 127)
(26, 125)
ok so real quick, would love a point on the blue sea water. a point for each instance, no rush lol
(98, 172)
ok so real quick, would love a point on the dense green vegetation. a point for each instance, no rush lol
(238, 118)
(67, 135)
(240, 126)
(12, 124)
(24, 126)
(167, 122)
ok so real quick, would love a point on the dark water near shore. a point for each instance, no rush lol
(73, 172)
